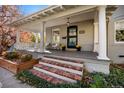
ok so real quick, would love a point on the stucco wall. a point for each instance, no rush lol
(114, 49)
(85, 39)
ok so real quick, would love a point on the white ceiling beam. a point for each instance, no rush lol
(44, 14)
(52, 11)
(36, 17)
(62, 8)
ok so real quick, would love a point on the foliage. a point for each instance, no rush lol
(29, 78)
(12, 55)
(120, 35)
(17, 56)
(63, 47)
(100, 80)
(78, 46)
(33, 38)
(8, 13)
(116, 77)
(26, 57)
(90, 80)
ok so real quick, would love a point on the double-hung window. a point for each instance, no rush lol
(119, 31)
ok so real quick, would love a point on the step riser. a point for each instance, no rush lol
(55, 75)
(62, 65)
(63, 68)
(59, 72)
(47, 77)
(65, 59)
(64, 62)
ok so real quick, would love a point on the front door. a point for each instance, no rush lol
(72, 36)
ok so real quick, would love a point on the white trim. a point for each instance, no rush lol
(102, 55)
(55, 29)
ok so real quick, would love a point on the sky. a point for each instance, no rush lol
(29, 9)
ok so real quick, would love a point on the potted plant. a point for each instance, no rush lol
(78, 47)
(63, 47)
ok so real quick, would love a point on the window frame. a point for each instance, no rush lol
(53, 30)
(115, 26)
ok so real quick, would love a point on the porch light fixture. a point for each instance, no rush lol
(68, 21)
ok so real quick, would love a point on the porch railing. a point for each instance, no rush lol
(26, 46)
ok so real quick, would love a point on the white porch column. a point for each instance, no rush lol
(96, 42)
(17, 39)
(36, 41)
(102, 34)
(42, 38)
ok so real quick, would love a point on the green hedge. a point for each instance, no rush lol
(99, 80)
(90, 80)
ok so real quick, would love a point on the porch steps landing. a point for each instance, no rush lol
(56, 70)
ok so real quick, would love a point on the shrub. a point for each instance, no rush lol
(116, 77)
(29, 78)
(12, 55)
(90, 80)
(26, 57)
(98, 81)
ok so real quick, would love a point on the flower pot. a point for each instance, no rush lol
(78, 49)
(63, 48)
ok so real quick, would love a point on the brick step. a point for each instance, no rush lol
(59, 72)
(46, 77)
(62, 68)
(62, 64)
(55, 75)
(64, 59)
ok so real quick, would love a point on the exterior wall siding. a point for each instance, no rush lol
(85, 40)
(114, 49)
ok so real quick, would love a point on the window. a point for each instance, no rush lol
(56, 36)
(119, 31)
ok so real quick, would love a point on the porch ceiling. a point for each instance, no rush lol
(33, 22)
(35, 27)
(48, 12)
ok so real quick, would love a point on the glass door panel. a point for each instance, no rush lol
(72, 37)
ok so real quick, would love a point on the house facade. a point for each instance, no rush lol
(95, 28)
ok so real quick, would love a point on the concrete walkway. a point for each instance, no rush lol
(8, 80)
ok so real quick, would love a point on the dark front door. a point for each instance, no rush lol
(72, 36)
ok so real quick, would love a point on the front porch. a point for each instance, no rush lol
(69, 26)
(89, 30)
(68, 54)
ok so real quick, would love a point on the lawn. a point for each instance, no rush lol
(89, 80)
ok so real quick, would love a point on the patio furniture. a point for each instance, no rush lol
(53, 46)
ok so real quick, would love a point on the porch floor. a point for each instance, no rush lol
(70, 54)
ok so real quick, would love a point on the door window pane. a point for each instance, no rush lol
(72, 32)
(72, 42)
